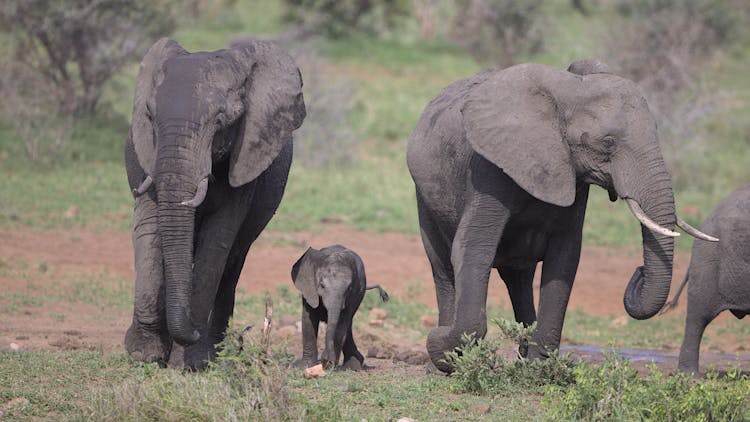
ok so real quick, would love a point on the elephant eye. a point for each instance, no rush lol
(609, 142)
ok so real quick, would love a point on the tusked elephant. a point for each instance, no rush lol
(333, 283)
(719, 274)
(207, 157)
(502, 163)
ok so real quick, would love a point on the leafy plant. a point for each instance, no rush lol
(479, 368)
(615, 391)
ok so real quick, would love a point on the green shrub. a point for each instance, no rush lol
(615, 391)
(478, 368)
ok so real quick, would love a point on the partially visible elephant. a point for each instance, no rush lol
(332, 281)
(207, 157)
(719, 274)
(502, 163)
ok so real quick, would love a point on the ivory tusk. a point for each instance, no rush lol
(649, 223)
(692, 231)
(144, 186)
(200, 195)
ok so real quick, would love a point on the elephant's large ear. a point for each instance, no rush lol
(514, 123)
(303, 275)
(149, 77)
(274, 107)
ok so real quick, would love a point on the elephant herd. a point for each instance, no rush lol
(501, 161)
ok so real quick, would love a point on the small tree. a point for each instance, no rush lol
(77, 45)
(336, 18)
(498, 30)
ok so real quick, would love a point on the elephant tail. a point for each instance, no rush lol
(383, 294)
(673, 303)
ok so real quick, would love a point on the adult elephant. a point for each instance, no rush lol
(207, 157)
(502, 163)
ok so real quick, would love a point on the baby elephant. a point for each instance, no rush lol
(719, 274)
(336, 276)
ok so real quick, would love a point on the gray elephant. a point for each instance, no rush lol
(207, 157)
(502, 163)
(335, 276)
(719, 274)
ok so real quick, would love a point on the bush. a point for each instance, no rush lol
(243, 384)
(479, 368)
(77, 45)
(615, 391)
(498, 30)
(337, 18)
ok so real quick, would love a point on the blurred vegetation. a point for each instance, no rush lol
(366, 85)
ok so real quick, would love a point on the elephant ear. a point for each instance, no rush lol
(149, 77)
(512, 120)
(303, 275)
(274, 107)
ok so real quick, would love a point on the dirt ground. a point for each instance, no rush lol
(395, 261)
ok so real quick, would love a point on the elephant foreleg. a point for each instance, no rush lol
(147, 339)
(472, 255)
(310, 322)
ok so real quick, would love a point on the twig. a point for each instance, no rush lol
(267, 324)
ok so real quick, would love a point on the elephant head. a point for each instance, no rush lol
(582, 125)
(191, 111)
(330, 275)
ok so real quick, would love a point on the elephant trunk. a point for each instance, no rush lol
(649, 286)
(175, 185)
(332, 345)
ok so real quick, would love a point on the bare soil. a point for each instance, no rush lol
(50, 261)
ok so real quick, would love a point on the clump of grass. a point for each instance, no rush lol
(244, 383)
(478, 368)
(615, 391)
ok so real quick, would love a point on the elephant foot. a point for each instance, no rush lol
(304, 363)
(192, 358)
(146, 346)
(441, 340)
(535, 350)
(352, 364)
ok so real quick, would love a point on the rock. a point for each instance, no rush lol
(315, 371)
(372, 352)
(376, 323)
(412, 357)
(15, 346)
(378, 313)
(481, 409)
(298, 326)
(429, 321)
(405, 419)
(381, 352)
(72, 212)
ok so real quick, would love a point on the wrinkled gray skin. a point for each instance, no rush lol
(332, 281)
(502, 163)
(719, 274)
(224, 118)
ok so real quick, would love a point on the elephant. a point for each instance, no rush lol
(207, 158)
(719, 274)
(502, 163)
(335, 276)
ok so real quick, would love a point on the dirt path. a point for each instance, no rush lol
(52, 262)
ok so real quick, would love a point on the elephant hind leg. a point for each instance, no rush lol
(521, 291)
(695, 325)
(438, 252)
(353, 359)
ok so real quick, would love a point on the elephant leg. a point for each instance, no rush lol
(473, 252)
(353, 359)
(148, 339)
(439, 254)
(695, 324)
(558, 273)
(521, 291)
(310, 322)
